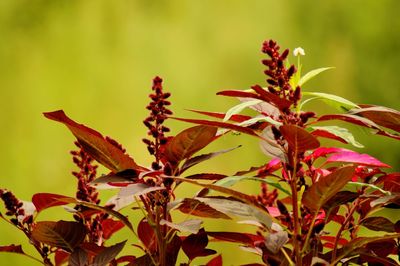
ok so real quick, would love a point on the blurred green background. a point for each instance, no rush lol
(95, 59)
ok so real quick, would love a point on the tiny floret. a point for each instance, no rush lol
(298, 51)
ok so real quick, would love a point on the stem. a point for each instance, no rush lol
(342, 226)
(309, 232)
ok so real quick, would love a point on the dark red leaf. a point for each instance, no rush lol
(110, 227)
(378, 224)
(382, 116)
(271, 98)
(326, 187)
(198, 208)
(194, 245)
(383, 248)
(128, 259)
(243, 238)
(201, 158)
(206, 176)
(173, 248)
(108, 254)
(221, 125)
(12, 249)
(391, 182)
(95, 144)
(43, 201)
(188, 142)
(216, 261)
(147, 235)
(78, 257)
(298, 138)
(62, 234)
(340, 198)
(235, 118)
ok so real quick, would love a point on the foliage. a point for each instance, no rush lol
(313, 186)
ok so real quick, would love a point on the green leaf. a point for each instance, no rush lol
(342, 133)
(189, 141)
(239, 107)
(326, 187)
(338, 102)
(312, 74)
(232, 180)
(62, 234)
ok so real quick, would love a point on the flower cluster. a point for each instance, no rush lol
(154, 122)
(279, 75)
(14, 208)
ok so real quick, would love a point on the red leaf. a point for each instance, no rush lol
(323, 151)
(12, 249)
(271, 98)
(326, 187)
(328, 135)
(43, 201)
(147, 235)
(95, 144)
(217, 261)
(243, 238)
(61, 257)
(188, 142)
(62, 234)
(78, 257)
(110, 227)
(391, 182)
(354, 157)
(198, 208)
(299, 139)
(382, 116)
(221, 125)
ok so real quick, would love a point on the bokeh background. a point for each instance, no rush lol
(96, 59)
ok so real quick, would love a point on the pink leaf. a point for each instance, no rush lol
(354, 157)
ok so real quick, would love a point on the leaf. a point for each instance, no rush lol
(78, 257)
(61, 257)
(263, 214)
(138, 189)
(216, 261)
(110, 227)
(339, 133)
(237, 208)
(271, 148)
(341, 104)
(147, 235)
(198, 208)
(206, 176)
(299, 140)
(357, 158)
(201, 158)
(238, 108)
(43, 201)
(235, 118)
(108, 254)
(195, 245)
(12, 249)
(95, 144)
(274, 241)
(236, 237)
(382, 116)
(113, 180)
(378, 224)
(188, 142)
(266, 96)
(340, 198)
(62, 234)
(221, 125)
(360, 242)
(232, 180)
(326, 187)
(313, 73)
(189, 226)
